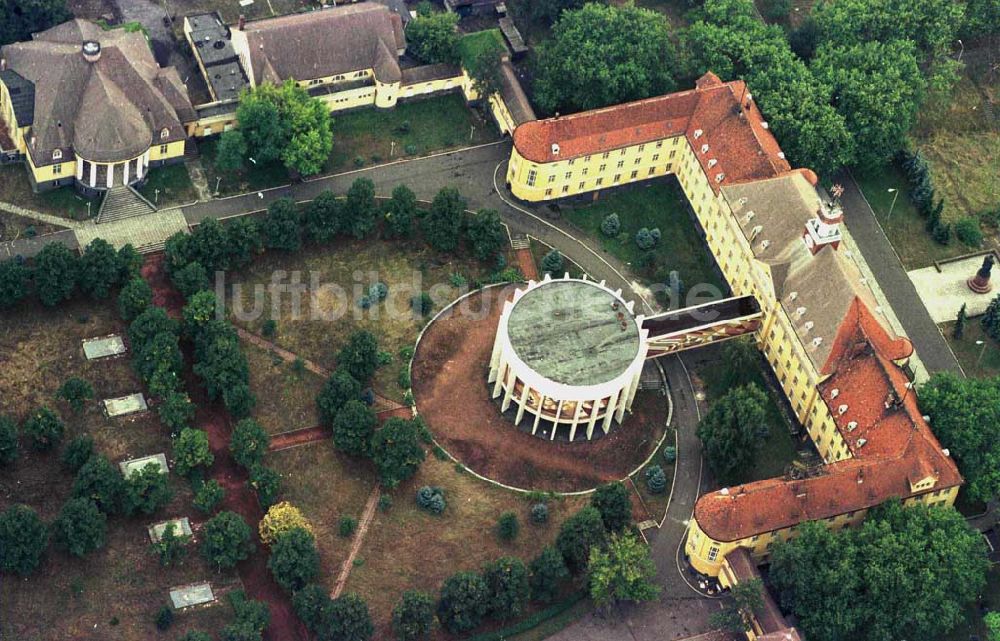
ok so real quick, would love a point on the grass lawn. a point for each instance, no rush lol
(346, 269)
(407, 548)
(325, 484)
(905, 228)
(13, 227)
(435, 124)
(253, 176)
(173, 184)
(114, 592)
(659, 204)
(779, 449)
(15, 188)
(473, 44)
(370, 136)
(657, 503)
(539, 250)
(286, 399)
(973, 626)
(960, 144)
(980, 361)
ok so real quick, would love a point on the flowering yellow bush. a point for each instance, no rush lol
(279, 519)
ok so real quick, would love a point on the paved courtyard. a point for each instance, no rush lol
(943, 290)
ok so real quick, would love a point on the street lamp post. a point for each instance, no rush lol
(218, 180)
(156, 196)
(392, 147)
(982, 350)
(961, 51)
(895, 193)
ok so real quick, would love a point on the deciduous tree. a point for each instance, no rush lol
(623, 572)
(13, 282)
(56, 272)
(280, 227)
(612, 500)
(486, 233)
(340, 388)
(360, 208)
(294, 560)
(249, 443)
(507, 583)
(548, 572)
(443, 223)
(147, 490)
(44, 428)
(965, 414)
(231, 152)
(360, 356)
(353, 428)
(323, 218)
(603, 55)
(23, 539)
(819, 575)
(100, 269)
(134, 298)
(578, 534)
(80, 527)
(396, 451)
(433, 38)
(192, 451)
(732, 431)
(101, 483)
(413, 616)
(464, 602)
(226, 540)
(400, 212)
(8, 440)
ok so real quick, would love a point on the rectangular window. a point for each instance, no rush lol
(618, 177)
(587, 159)
(713, 553)
(621, 163)
(605, 155)
(602, 168)
(659, 143)
(56, 169)
(548, 192)
(569, 174)
(565, 189)
(652, 170)
(552, 178)
(635, 174)
(641, 147)
(673, 152)
(163, 149)
(600, 181)
(656, 157)
(582, 183)
(670, 166)
(571, 161)
(623, 152)
(584, 171)
(532, 175)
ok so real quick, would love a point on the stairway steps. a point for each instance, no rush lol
(121, 203)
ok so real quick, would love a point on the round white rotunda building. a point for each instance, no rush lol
(568, 352)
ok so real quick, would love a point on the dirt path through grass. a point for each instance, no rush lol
(381, 402)
(359, 538)
(259, 583)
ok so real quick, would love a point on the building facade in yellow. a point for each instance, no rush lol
(105, 127)
(775, 239)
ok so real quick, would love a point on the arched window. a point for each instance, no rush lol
(164, 133)
(57, 154)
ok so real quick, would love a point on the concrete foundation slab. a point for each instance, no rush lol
(942, 289)
(125, 405)
(103, 347)
(186, 596)
(131, 466)
(181, 526)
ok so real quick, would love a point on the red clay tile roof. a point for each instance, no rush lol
(897, 446)
(709, 114)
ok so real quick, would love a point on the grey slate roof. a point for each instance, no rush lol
(22, 96)
(323, 43)
(108, 110)
(816, 292)
(513, 95)
(426, 73)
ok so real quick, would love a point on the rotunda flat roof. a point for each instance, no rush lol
(574, 332)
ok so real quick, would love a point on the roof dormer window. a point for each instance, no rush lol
(164, 133)
(57, 154)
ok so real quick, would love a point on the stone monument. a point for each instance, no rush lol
(980, 283)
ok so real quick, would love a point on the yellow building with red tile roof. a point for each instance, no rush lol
(772, 236)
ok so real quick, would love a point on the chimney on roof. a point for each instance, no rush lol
(91, 51)
(241, 23)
